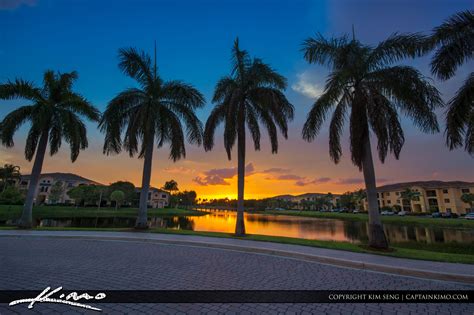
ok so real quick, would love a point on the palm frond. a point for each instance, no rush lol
(396, 48)
(459, 117)
(323, 51)
(13, 121)
(20, 89)
(455, 38)
(137, 65)
(217, 116)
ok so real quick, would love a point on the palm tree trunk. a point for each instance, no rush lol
(240, 225)
(377, 238)
(142, 222)
(26, 219)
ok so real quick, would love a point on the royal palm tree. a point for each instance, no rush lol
(454, 40)
(251, 94)
(150, 114)
(363, 81)
(55, 114)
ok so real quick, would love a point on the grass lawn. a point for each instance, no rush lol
(51, 212)
(454, 253)
(395, 219)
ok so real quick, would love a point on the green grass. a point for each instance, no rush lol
(412, 220)
(53, 212)
(454, 253)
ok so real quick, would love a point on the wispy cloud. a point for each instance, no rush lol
(218, 176)
(13, 4)
(179, 170)
(276, 170)
(316, 181)
(307, 86)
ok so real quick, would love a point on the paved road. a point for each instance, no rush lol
(35, 263)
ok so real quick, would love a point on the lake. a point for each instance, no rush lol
(280, 225)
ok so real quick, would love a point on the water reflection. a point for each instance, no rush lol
(273, 225)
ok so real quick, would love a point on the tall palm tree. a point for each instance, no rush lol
(55, 115)
(151, 112)
(454, 40)
(252, 93)
(363, 81)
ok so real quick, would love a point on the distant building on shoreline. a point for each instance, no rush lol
(157, 198)
(432, 196)
(300, 200)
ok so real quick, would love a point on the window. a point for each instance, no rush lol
(24, 183)
(465, 190)
(448, 209)
(445, 191)
(388, 194)
(431, 193)
(389, 202)
(416, 198)
(397, 193)
(163, 196)
(149, 196)
(398, 201)
(432, 202)
(446, 200)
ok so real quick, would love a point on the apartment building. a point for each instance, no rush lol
(47, 180)
(157, 198)
(431, 196)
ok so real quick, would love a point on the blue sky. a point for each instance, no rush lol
(194, 39)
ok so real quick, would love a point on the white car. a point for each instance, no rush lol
(387, 213)
(402, 213)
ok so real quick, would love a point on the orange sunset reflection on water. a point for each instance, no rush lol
(272, 225)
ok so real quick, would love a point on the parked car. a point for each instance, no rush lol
(356, 211)
(280, 209)
(446, 215)
(387, 213)
(402, 213)
(469, 216)
(436, 215)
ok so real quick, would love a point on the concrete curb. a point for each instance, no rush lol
(427, 274)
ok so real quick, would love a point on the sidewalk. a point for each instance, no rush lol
(399, 266)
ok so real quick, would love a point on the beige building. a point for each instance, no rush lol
(157, 198)
(432, 196)
(46, 182)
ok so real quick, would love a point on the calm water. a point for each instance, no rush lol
(308, 228)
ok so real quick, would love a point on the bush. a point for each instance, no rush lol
(11, 196)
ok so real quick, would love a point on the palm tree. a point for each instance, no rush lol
(252, 93)
(363, 81)
(454, 40)
(151, 112)
(409, 195)
(55, 115)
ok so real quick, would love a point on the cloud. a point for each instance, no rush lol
(218, 176)
(13, 4)
(179, 170)
(289, 177)
(307, 86)
(276, 170)
(315, 181)
(349, 181)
